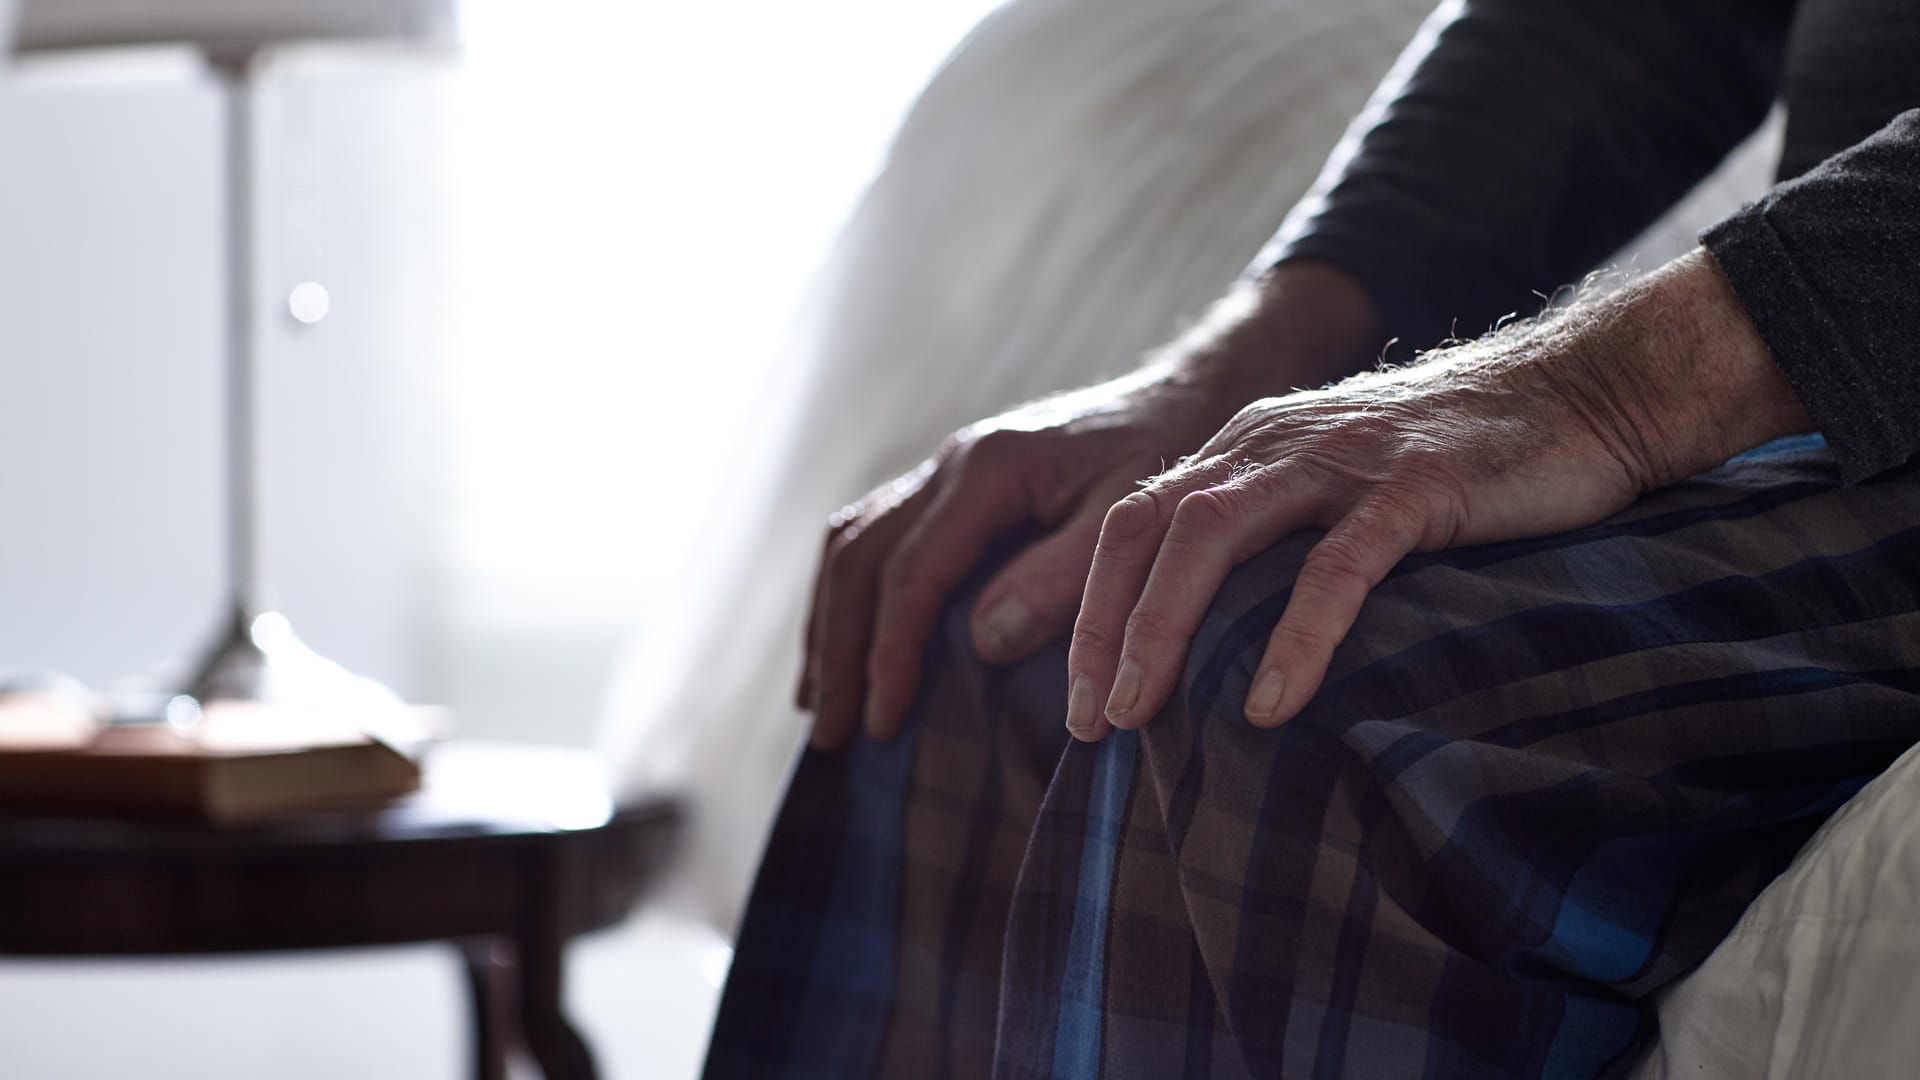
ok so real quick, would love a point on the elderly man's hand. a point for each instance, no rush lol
(892, 558)
(1540, 429)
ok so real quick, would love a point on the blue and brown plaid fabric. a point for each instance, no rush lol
(1542, 781)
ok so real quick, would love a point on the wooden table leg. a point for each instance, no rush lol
(491, 988)
(557, 895)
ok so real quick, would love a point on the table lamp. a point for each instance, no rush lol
(256, 655)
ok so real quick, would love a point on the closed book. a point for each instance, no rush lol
(240, 763)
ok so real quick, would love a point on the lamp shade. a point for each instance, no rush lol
(226, 26)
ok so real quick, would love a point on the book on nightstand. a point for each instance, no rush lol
(240, 762)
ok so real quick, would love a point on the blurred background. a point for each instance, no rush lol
(561, 324)
(556, 259)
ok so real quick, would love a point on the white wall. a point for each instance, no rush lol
(111, 352)
(110, 497)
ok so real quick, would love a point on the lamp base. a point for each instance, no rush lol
(259, 658)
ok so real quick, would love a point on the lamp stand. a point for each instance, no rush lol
(257, 656)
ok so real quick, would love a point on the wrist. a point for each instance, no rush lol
(1301, 324)
(1691, 380)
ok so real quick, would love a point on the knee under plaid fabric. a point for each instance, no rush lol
(1542, 781)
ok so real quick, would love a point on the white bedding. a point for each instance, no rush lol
(1821, 976)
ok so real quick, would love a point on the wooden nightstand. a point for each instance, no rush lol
(506, 853)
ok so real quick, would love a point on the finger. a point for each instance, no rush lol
(1034, 599)
(803, 694)
(1331, 586)
(1129, 538)
(931, 560)
(803, 690)
(849, 589)
(1214, 529)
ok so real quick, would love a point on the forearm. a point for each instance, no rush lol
(1674, 372)
(1525, 141)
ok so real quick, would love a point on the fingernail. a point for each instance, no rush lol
(1264, 698)
(1003, 627)
(1081, 702)
(1126, 689)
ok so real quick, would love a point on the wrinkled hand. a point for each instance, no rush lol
(1534, 431)
(892, 558)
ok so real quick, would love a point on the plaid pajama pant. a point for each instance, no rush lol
(1542, 780)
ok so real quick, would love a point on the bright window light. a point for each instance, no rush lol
(642, 192)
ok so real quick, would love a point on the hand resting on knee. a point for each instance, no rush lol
(1542, 427)
(892, 557)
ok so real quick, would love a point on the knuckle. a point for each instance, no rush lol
(1130, 519)
(860, 527)
(1209, 510)
(1403, 514)
(949, 451)
(1091, 639)
(1418, 451)
(1428, 486)
(842, 563)
(835, 552)
(1412, 513)
(842, 519)
(1340, 556)
(903, 574)
(1312, 462)
(1147, 625)
(1254, 414)
(1420, 469)
(1324, 480)
(996, 450)
(1372, 425)
(1404, 492)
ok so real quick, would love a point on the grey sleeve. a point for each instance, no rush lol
(1531, 139)
(1828, 268)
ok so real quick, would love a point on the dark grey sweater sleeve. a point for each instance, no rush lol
(1530, 141)
(1828, 268)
